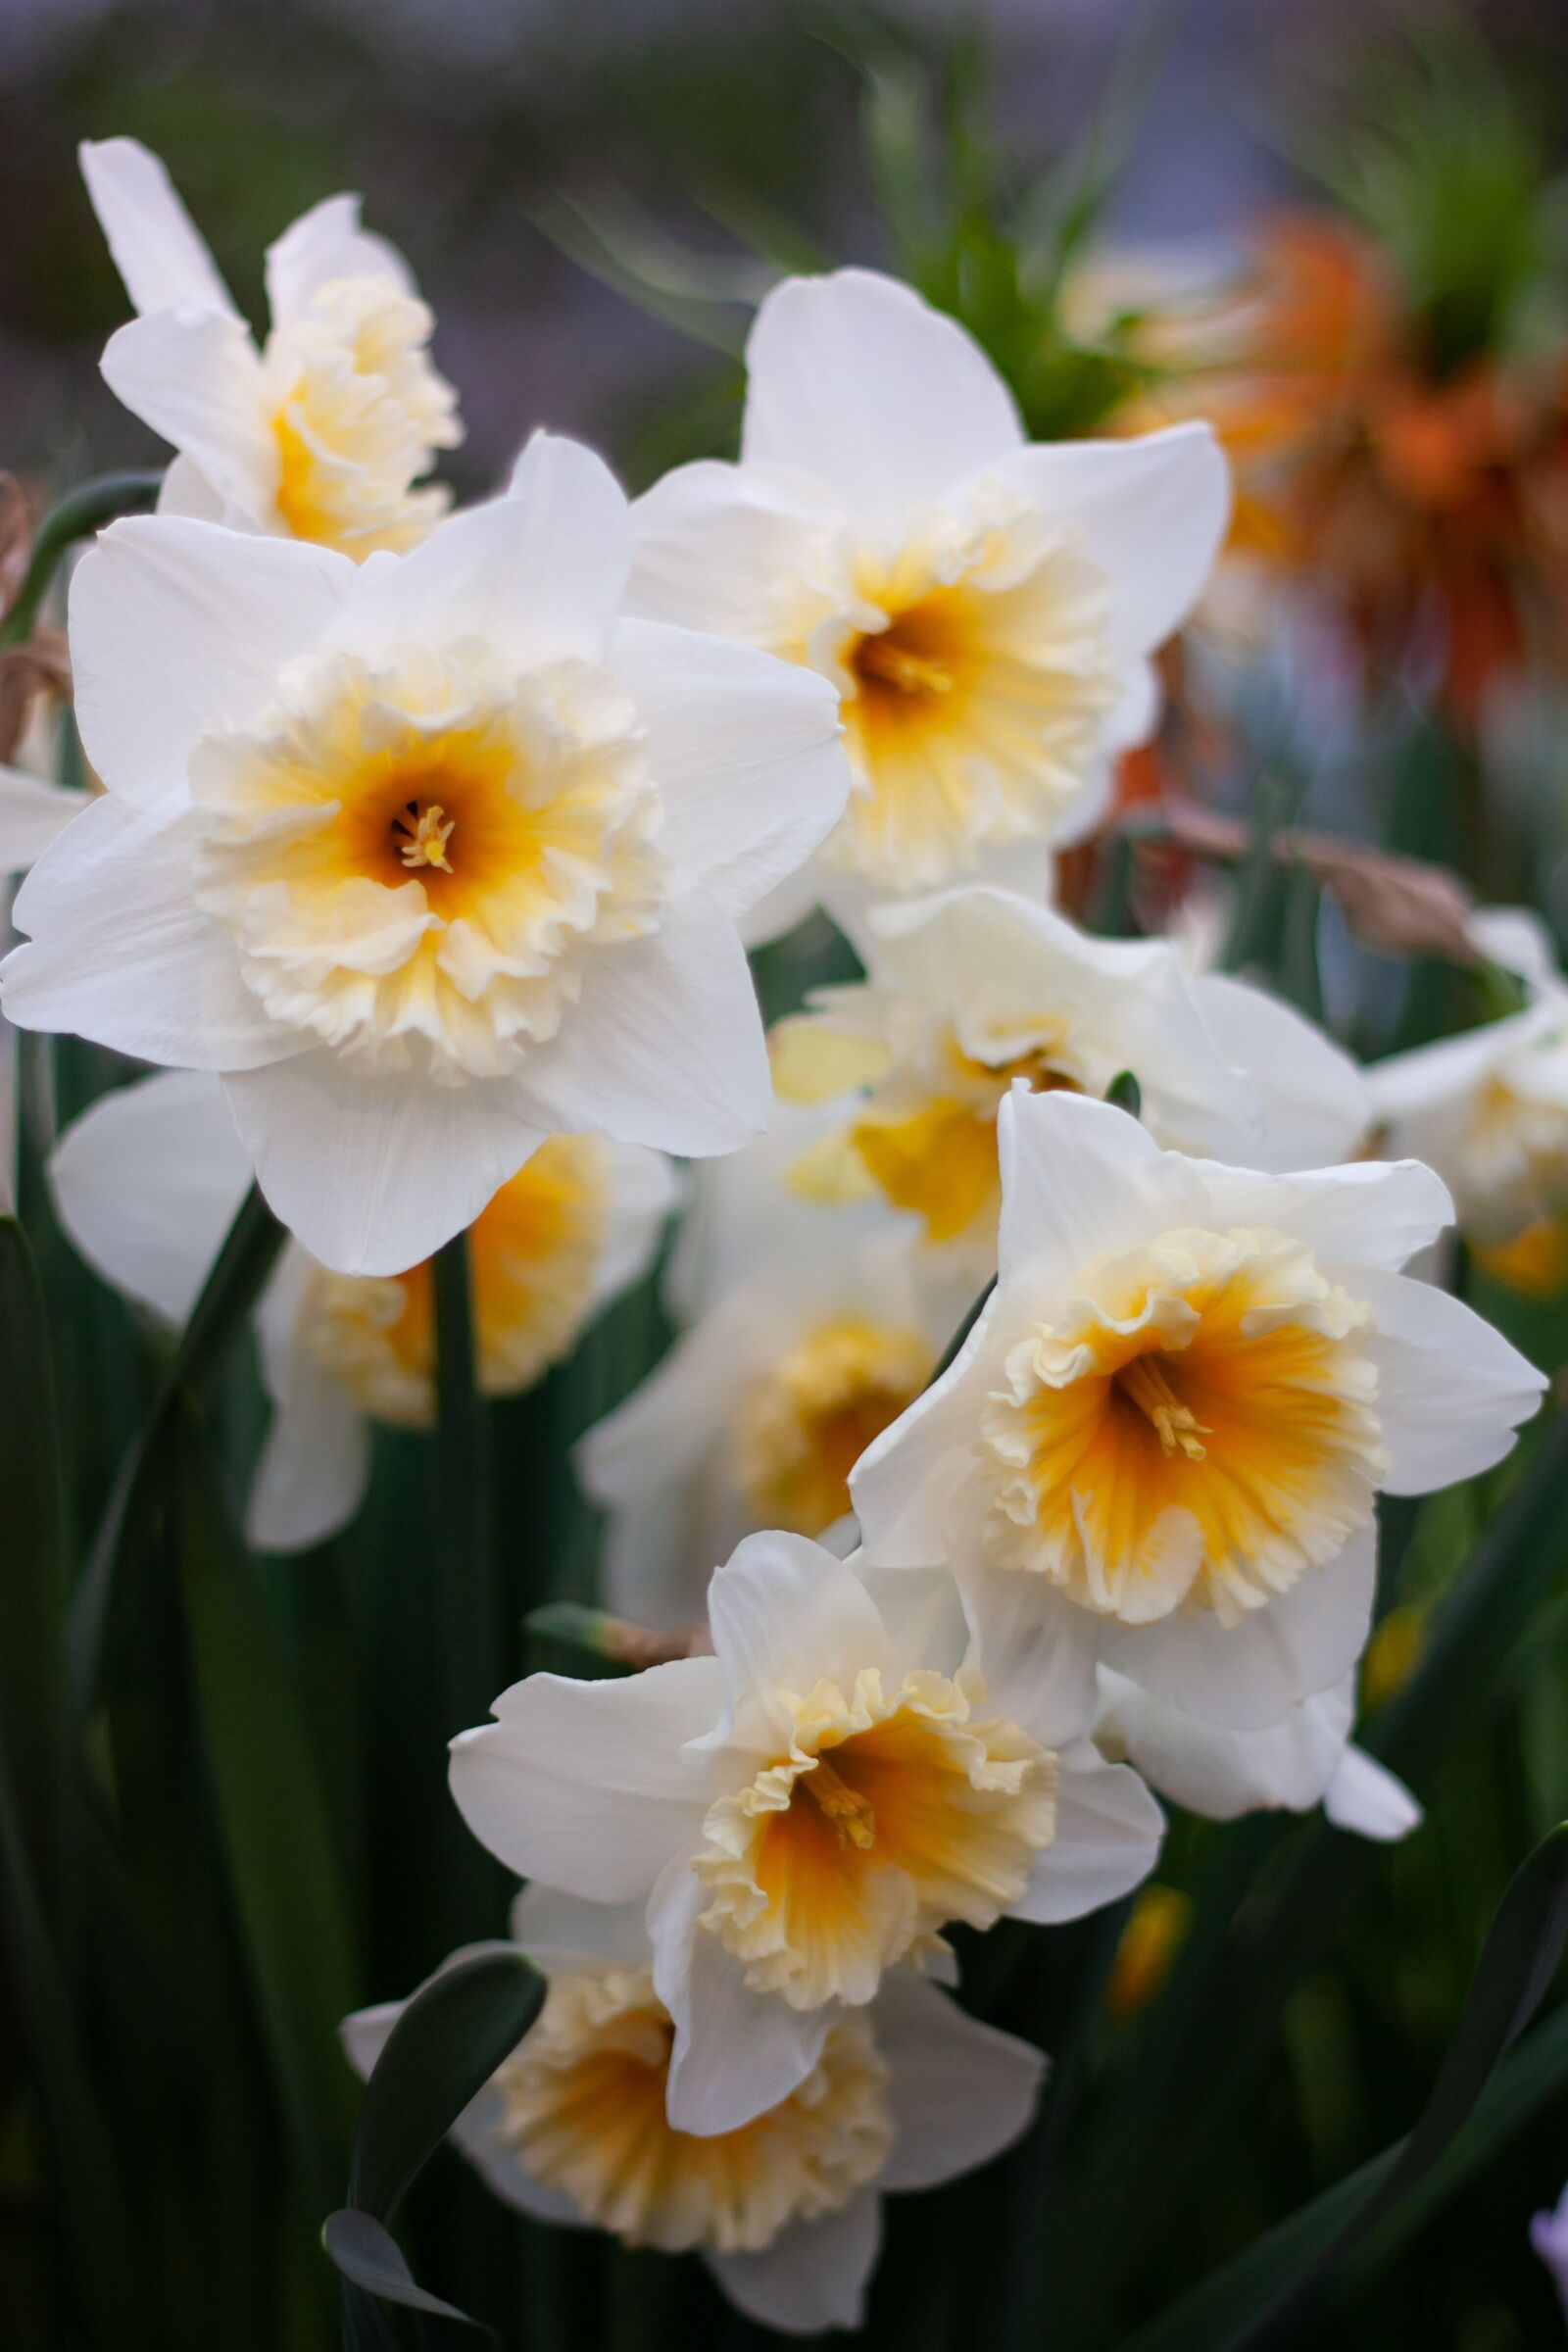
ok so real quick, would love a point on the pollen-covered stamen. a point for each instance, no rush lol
(425, 841)
(886, 658)
(849, 1813)
(1176, 1425)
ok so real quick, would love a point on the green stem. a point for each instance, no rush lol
(230, 1290)
(80, 513)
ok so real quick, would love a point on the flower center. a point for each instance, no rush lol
(359, 415)
(939, 1159)
(809, 1422)
(583, 2106)
(886, 1817)
(420, 835)
(975, 671)
(418, 857)
(533, 1253)
(1195, 1430)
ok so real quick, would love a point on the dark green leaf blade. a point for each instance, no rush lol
(375, 2271)
(447, 2042)
(1232, 2306)
(33, 1587)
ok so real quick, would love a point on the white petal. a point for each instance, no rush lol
(188, 496)
(665, 1046)
(746, 752)
(1081, 1181)
(323, 244)
(961, 2092)
(784, 1612)
(716, 543)
(1316, 1104)
(737, 2052)
(1451, 1390)
(122, 954)
(1035, 1648)
(32, 815)
(1108, 1836)
(559, 1932)
(1151, 512)
(194, 377)
(374, 1174)
(1222, 1773)
(147, 1183)
(1371, 1214)
(813, 2276)
(1431, 1077)
(584, 1784)
(855, 382)
(177, 626)
(1247, 1676)
(644, 1191)
(1365, 1797)
(907, 1484)
(537, 574)
(157, 248)
(314, 1466)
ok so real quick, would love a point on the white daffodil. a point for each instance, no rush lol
(1306, 1759)
(1489, 1109)
(810, 1335)
(984, 609)
(147, 1182)
(974, 990)
(430, 858)
(325, 432)
(802, 1811)
(1162, 1444)
(785, 2210)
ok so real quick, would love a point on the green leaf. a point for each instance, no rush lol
(950, 1352)
(1260, 2286)
(371, 2264)
(81, 512)
(444, 2048)
(33, 1587)
(271, 1817)
(230, 1290)
(564, 1636)
(1125, 1094)
(89, 2204)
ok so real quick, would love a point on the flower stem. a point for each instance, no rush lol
(80, 513)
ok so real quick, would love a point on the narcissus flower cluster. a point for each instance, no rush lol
(421, 864)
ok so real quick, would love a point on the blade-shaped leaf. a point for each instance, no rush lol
(1254, 2291)
(32, 1585)
(272, 1821)
(371, 2264)
(443, 2049)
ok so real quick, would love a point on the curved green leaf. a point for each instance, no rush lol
(371, 2264)
(81, 512)
(1255, 2290)
(443, 2049)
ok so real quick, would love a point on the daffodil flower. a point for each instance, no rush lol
(799, 1813)
(403, 1004)
(1489, 1109)
(325, 432)
(972, 990)
(985, 609)
(785, 2210)
(1162, 1444)
(148, 1179)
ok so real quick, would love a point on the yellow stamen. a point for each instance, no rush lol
(849, 1813)
(427, 843)
(911, 673)
(1176, 1425)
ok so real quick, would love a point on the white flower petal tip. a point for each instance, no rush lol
(429, 859)
(325, 433)
(1365, 1797)
(983, 610)
(805, 1812)
(785, 2209)
(1173, 1420)
(33, 814)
